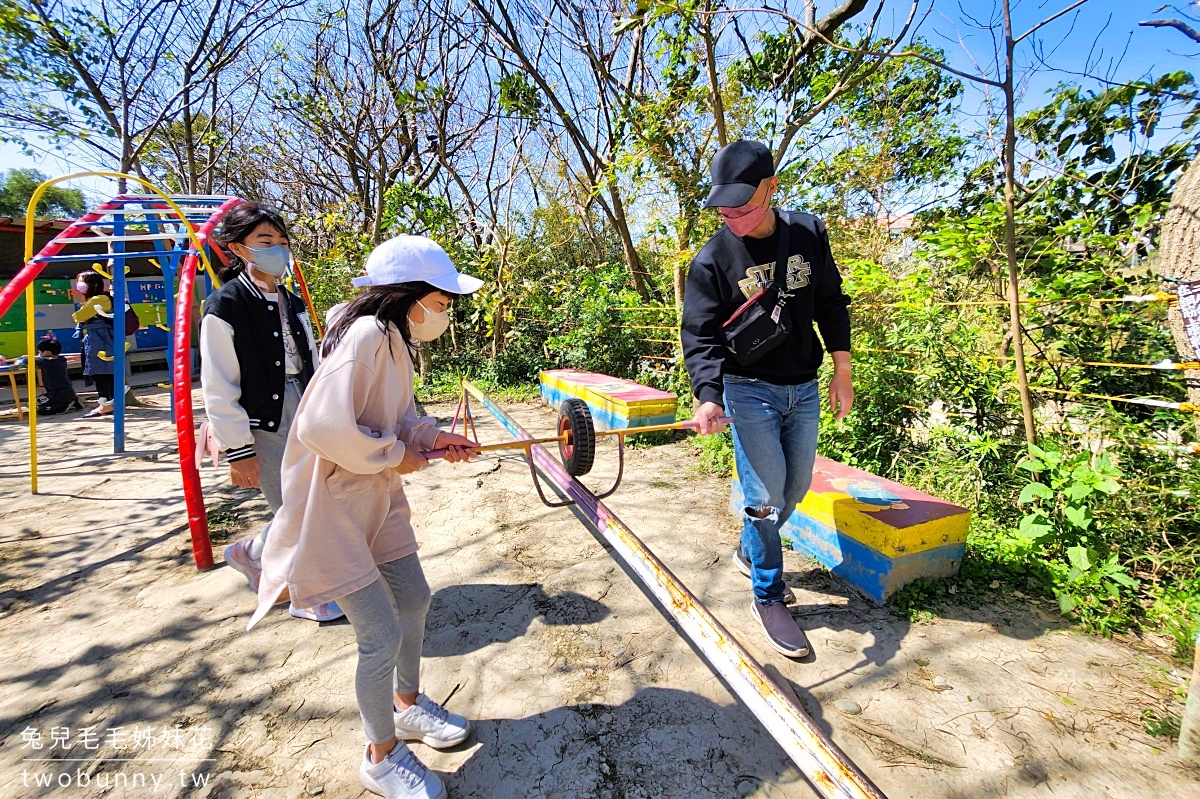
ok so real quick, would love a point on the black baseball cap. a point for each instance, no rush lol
(737, 169)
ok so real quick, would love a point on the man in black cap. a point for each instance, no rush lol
(770, 390)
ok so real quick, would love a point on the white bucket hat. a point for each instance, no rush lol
(406, 259)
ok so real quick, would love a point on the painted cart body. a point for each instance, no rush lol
(615, 404)
(876, 534)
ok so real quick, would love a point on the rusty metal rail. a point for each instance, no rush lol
(829, 770)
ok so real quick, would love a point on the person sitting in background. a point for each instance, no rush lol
(59, 394)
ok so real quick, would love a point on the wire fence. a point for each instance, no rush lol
(641, 320)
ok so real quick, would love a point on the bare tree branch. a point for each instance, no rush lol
(1178, 24)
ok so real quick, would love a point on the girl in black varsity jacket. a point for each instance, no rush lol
(257, 355)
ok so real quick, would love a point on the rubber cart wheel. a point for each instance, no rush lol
(578, 451)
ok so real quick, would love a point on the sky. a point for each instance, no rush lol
(1102, 38)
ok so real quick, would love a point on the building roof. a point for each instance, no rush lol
(16, 224)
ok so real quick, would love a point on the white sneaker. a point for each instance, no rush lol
(400, 775)
(238, 557)
(431, 724)
(326, 611)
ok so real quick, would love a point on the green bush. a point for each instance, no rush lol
(716, 453)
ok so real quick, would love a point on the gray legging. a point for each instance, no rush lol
(269, 446)
(388, 617)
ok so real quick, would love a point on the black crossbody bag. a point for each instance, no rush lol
(761, 325)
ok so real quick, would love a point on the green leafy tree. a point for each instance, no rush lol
(16, 190)
(889, 144)
(1112, 155)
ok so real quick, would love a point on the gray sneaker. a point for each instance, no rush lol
(743, 564)
(782, 631)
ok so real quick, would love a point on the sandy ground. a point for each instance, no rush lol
(113, 645)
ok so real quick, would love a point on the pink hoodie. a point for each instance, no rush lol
(344, 508)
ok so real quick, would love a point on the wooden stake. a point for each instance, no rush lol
(1189, 730)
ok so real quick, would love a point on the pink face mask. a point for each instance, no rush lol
(81, 287)
(745, 218)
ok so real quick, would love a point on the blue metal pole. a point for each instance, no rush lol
(168, 272)
(118, 281)
(168, 263)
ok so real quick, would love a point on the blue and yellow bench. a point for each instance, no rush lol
(875, 534)
(615, 404)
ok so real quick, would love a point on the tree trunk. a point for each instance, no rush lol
(1178, 245)
(714, 83)
(211, 167)
(423, 359)
(1189, 732)
(498, 330)
(187, 183)
(636, 270)
(1010, 231)
(126, 164)
(680, 268)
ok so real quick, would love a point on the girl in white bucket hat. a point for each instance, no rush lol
(344, 532)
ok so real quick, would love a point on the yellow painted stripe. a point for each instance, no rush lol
(838, 510)
(618, 397)
(632, 410)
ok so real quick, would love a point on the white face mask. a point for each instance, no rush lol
(435, 324)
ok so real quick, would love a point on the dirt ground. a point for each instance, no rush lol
(133, 673)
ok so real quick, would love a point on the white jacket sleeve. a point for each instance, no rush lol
(221, 385)
(329, 426)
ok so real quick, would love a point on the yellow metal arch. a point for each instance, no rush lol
(30, 322)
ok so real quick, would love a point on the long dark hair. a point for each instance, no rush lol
(237, 226)
(95, 284)
(389, 304)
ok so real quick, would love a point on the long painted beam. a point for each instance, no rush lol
(833, 774)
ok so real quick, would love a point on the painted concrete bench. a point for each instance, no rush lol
(875, 534)
(615, 404)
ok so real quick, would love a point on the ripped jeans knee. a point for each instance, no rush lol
(762, 512)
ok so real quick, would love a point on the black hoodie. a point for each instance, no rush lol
(728, 271)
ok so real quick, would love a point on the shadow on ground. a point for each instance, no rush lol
(661, 743)
(465, 618)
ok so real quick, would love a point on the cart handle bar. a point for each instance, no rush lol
(525, 445)
(658, 428)
(434, 454)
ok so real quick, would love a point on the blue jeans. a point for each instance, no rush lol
(774, 447)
